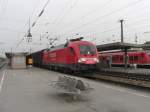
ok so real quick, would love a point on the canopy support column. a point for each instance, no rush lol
(126, 58)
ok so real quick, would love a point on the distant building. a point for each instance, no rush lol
(17, 60)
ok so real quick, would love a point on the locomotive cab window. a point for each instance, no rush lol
(87, 49)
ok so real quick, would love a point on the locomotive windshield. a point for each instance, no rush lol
(87, 49)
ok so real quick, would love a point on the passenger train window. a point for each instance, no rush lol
(131, 58)
(135, 58)
(140, 57)
(121, 58)
(114, 58)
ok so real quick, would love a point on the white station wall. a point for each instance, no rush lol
(18, 62)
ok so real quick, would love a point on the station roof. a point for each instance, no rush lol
(146, 46)
(9, 55)
(115, 46)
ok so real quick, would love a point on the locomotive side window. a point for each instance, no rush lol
(87, 49)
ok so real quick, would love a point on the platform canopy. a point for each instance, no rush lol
(9, 54)
(115, 46)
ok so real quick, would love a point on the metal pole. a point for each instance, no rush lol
(30, 50)
(136, 37)
(121, 21)
(126, 58)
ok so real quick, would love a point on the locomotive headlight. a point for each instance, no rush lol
(81, 60)
(95, 59)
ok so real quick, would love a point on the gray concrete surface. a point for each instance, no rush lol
(29, 91)
(139, 71)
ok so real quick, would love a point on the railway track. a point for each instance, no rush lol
(137, 79)
(127, 78)
(3, 64)
(142, 80)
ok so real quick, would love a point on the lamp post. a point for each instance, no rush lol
(122, 39)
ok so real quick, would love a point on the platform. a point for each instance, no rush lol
(28, 90)
(138, 71)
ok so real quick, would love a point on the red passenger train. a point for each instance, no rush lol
(75, 55)
(140, 58)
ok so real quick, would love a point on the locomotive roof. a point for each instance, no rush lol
(38, 51)
(57, 47)
(66, 44)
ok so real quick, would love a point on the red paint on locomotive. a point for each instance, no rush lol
(75, 55)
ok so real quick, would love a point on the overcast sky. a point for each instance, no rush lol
(95, 20)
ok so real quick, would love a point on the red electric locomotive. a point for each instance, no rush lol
(75, 55)
(140, 58)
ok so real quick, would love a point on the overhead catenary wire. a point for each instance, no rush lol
(20, 41)
(107, 3)
(138, 19)
(135, 20)
(127, 27)
(94, 32)
(9, 30)
(126, 6)
(97, 9)
(128, 23)
(40, 14)
(72, 6)
(118, 28)
(25, 26)
(106, 15)
(62, 10)
(34, 23)
(4, 8)
(59, 20)
(137, 27)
